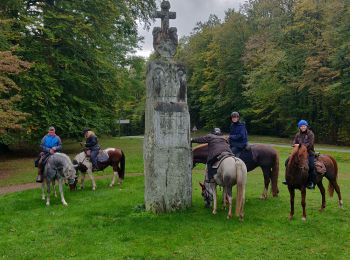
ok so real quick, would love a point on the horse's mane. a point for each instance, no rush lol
(65, 156)
(199, 146)
(296, 152)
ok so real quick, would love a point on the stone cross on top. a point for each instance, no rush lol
(165, 15)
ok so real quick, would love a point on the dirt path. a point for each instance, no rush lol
(34, 185)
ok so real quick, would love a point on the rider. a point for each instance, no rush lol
(217, 144)
(92, 147)
(238, 134)
(306, 137)
(50, 144)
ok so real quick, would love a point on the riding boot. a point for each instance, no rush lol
(311, 180)
(39, 178)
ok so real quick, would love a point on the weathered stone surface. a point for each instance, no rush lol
(167, 151)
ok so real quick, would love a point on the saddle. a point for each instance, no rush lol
(221, 157)
(319, 165)
(102, 156)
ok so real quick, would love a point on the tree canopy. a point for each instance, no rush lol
(275, 61)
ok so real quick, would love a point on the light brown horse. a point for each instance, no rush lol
(297, 177)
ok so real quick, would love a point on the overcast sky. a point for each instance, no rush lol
(188, 13)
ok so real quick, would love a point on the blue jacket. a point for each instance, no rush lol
(51, 142)
(238, 135)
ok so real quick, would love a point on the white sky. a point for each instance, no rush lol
(188, 13)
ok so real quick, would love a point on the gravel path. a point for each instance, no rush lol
(34, 185)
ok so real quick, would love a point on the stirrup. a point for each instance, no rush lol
(311, 186)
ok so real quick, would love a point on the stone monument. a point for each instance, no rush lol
(167, 149)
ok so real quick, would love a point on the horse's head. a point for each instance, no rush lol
(299, 157)
(207, 193)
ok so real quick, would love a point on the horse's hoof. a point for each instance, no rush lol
(93, 188)
(214, 212)
(43, 198)
(341, 204)
(262, 197)
(47, 204)
(303, 219)
(321, 209)
(65, 204)
(290, 217)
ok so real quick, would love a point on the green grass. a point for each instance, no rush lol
(110, 223)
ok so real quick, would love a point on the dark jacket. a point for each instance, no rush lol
(216, 145)
(307, 138)
(92, 143)
(238, 135)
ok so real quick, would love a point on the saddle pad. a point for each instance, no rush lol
(217, 164)
(102, 156)
(320, 167)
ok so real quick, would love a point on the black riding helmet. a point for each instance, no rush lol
(85, 130)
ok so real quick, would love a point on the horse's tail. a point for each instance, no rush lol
(330, 186)
(241, 173)
(274, 177)
(121, 173)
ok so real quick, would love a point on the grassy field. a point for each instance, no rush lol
(111, 223)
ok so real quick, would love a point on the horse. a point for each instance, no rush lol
(58, 167)
(297, 176)
(231, 171)
(116, 159)
(260, 155)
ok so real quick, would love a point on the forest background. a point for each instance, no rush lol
(69, 64)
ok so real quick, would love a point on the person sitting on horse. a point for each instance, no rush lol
(50, 144)
(92, 147)
(306, 137)
(217, 144)
(238, 134)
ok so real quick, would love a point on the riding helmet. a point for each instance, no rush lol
(302, 122)
(234, 114)
(217, 131)
(85, 130)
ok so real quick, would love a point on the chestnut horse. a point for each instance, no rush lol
(297, 176)
(260, 155)
(116, 159)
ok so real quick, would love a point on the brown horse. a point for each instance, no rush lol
(116, 159)
(297, 176)
(260, 155)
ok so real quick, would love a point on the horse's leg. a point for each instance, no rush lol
(267, 174)
(43, 190)
(323, 194)
(60, 185)
(213, 188)
(83, 180)
(224, 198)
(291, 195)
(92, 179)
(303, 203)
(229, 196)
(337, 190)
(115, 174)
(54, 188)
(48, 192)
